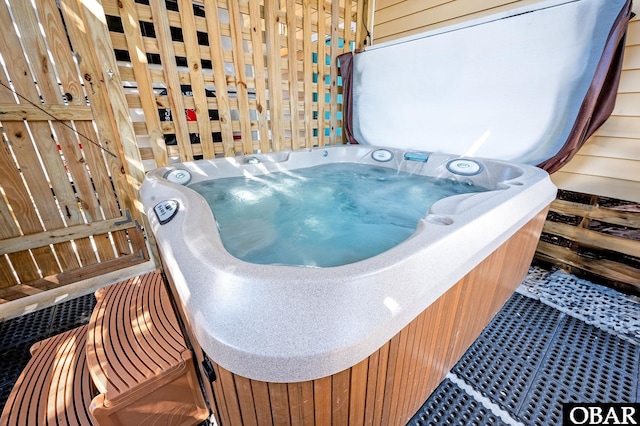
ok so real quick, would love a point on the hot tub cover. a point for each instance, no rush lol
(529, 85)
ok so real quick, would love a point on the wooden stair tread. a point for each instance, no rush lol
(55, 387)
(134, 339)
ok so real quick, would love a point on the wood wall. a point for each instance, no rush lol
(67, 206)
(609, 163)
(220, 78)
(96, 93)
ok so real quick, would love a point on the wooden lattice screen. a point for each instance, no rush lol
(93, 94)
(67, 207)
(218, 78)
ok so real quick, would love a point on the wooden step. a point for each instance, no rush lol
(55, 387)
(138, 358)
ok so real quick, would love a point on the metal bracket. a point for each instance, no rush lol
(207, 366)
(123, 222)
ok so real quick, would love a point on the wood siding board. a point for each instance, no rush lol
(296, 403)
(629, 81)
(599, 185)
(385, 13)
(603, 166)
(416, 371)
(408, 371)
(308, 409)
(221, 397)
(631, 59)
(142, 76)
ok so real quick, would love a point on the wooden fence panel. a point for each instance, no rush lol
(65, 215)
(218, 78)
(594, 236)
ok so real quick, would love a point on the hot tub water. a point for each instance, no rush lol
(322, 216)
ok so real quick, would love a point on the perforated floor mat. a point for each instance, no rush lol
(450, 405)
(530, 359)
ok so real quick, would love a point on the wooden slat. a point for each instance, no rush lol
(321, 67)
(239, 62)
(50, 93)
(564, 256)
(220, 81)
(307, 64)
(89, 36)
(292, 63)
(595, 239)
(333, 89)
(13, 112)
(609, 215)
(26, 242)
(196, 78)
(142, 75)
(258, 49)
(168, 55)
(274, 78)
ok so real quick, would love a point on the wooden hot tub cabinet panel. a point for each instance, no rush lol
(389, 386)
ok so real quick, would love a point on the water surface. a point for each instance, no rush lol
(321, 216)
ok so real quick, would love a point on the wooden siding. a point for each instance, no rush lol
(609, 162)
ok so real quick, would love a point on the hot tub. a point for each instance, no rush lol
(280, 323)
(372, 339)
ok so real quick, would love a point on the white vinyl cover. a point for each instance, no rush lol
(507, 87)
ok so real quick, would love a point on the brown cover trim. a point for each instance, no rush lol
(345, 62)
(600, 99)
